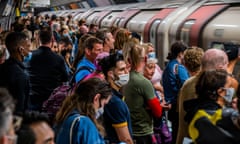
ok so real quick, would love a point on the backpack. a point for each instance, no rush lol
(54, 102)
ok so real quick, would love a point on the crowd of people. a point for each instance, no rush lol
(112, 88)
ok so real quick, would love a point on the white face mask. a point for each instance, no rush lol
(123, 80)
(229, 94)
(99, 112)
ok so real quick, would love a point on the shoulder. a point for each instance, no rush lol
(115, 102)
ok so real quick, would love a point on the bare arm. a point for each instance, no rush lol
(124, 135)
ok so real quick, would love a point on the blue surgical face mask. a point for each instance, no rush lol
(28, 57)
(229, 94)
(66, 35)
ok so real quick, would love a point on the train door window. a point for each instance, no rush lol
(116, 21)
(185, 31)
(153, 32)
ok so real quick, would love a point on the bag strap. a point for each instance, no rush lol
(71, 128)
(72, 80)
(176, 69)
(178, 81)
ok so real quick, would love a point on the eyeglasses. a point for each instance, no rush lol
(12, 138)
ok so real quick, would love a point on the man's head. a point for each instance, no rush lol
(93, 28)
(115, 69)
(7, 134)
(106, 36)
(65, 44)
(92, 46)
(83, 29)
(38, 122)
(45, 36)
(214, 59)
(18, 45)
(192, 59)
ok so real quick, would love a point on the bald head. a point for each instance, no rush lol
(214, 59)
(83, 29)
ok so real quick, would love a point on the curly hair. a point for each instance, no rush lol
(193, 58)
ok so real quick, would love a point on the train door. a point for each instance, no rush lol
(97, 20)
(163, 41)
(125, 16)
(108, 19)
(91, 17)
(225, 27)
(78, 15)
(150, 29)
(138, 22)
(191, 30)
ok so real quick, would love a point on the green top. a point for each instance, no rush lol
(137, 92)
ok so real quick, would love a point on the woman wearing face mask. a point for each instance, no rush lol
(85, 106)
(206, 114)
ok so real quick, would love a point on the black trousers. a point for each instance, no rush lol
(173, 117)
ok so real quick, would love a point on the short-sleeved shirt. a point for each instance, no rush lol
(83, 73)
(137, 92)
(116, 115)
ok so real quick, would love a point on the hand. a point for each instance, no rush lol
(166, 106)
(235, 103)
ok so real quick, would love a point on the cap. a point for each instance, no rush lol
(151, 58)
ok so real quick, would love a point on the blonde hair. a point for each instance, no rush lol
(122, 36)
(133, 53)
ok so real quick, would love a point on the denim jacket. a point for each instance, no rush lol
(84, 131)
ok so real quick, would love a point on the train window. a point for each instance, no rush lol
(185, 31)
(153, 32)
(225, 45)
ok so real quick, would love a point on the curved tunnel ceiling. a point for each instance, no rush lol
(94, 3)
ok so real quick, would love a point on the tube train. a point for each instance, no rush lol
(202, 23)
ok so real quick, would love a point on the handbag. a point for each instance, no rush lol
(163, 133)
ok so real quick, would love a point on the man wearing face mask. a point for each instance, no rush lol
(116, 114)
(12, 73)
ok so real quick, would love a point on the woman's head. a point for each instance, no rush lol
(89, 97)
(92, 94)
(122, 36)
(149, 70)
(134, 54)
(215, 85)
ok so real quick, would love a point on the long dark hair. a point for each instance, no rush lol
(82, 100)
(209, 82)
